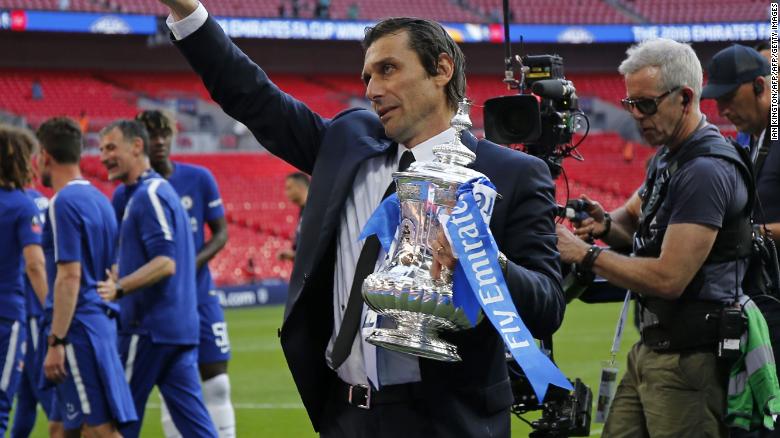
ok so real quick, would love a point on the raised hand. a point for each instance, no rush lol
(180, 8)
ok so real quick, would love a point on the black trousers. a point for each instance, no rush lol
(403, 418)
(399, 413)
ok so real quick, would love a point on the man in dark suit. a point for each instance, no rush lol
(414, 75)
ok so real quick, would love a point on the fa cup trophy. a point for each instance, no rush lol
(403, 288)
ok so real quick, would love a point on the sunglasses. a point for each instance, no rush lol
(646, 105)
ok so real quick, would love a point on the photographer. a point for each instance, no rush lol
(690, 226)
(739, 83)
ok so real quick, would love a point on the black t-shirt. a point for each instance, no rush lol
(706, 191)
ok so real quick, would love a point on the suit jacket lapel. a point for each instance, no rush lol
(342, 183)
(344, 177)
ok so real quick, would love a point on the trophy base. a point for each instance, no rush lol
(417, 337)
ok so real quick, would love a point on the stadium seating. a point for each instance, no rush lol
(66, 93)
(698, 11)
(472, 11)
(606, 170)
(545, 11)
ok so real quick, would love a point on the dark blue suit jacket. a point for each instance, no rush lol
(461, 398)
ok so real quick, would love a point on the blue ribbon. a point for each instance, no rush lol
(477, 254)
(384, 222)
(478, 282)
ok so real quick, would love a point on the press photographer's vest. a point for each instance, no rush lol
(683, 324)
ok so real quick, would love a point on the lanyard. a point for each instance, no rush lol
(621, 324)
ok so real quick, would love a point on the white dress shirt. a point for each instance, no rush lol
(369, 185)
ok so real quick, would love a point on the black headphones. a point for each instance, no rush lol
(686, 99)
(758, 87)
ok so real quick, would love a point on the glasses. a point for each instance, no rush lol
(646, 105)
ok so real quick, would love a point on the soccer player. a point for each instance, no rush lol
(80, 240)
(30, 394)
(155, 284)
(200, 197)
(20, 242)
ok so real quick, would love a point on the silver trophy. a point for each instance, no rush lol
(403, 288)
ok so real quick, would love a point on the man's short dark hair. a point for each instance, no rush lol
(60, 137)
(299, 177)
(130, 129)
(157, 121)
(429, 40)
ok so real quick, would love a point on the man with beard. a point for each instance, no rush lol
(80, 243)
(691, 239)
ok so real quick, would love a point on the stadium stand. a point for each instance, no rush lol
(698, 11)
(544, 11)
(63, 93)
(472, 11)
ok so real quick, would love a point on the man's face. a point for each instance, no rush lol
(295, 191)
(659, 128)
(741, 108)
(401, 92)
(160, 145)
(117, 154)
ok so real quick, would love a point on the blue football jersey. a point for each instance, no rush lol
(21, 227)
(155, 224)
(34, 307)
(199, 195)
(81, 227)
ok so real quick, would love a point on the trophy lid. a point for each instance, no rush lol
(455, 152)
(452, 157)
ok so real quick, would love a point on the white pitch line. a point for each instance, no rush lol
(596, 432)
(256, 406)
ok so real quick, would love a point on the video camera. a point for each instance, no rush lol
(564, 413)
(545, 121)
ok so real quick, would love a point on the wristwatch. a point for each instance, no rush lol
(53, 340)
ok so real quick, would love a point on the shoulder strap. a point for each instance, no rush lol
(763, 151)
(729, 151)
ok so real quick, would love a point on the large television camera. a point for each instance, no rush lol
(545, 121)
(563, 414)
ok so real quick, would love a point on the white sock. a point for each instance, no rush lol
(216, 395)
(169, 429)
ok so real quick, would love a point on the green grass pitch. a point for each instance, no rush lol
(267, 404)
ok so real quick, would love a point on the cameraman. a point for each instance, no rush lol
(688, 221)
(739, 83)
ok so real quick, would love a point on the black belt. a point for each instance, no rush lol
(679, 325)
(364, 397)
